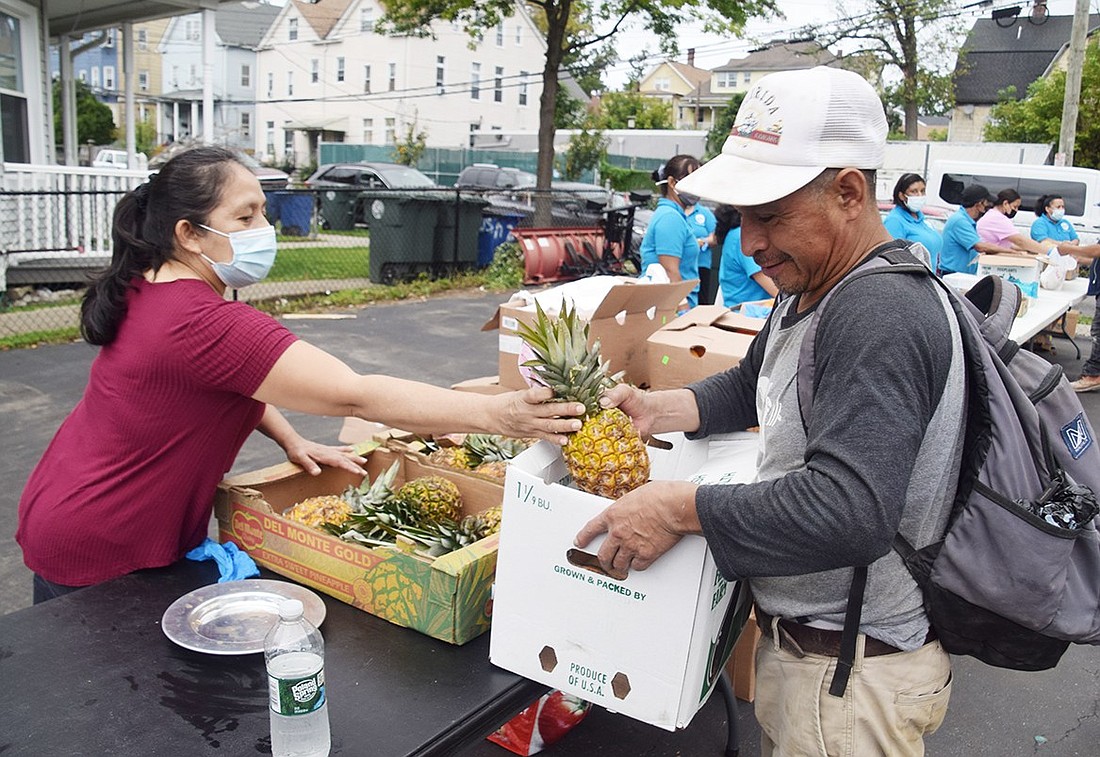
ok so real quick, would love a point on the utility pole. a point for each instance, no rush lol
(1075, 62)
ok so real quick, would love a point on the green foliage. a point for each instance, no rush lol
(1038, 116)
(586, 149)
(626, 179)
(409, 149)
(937, 135)
(94, 121)
(617, 108)
(145, 136)
(304, 263)
(506, 271)
(723, 122)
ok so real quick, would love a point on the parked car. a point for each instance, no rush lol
(511, 190)
(368, 176)
(110, 158)
(492, 176)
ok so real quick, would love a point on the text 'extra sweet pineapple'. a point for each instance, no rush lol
(607, 455)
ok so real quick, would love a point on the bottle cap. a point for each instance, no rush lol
(290, 609)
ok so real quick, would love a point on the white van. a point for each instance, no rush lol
(108, 158)
(1079, 186)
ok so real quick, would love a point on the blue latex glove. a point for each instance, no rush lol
(233, 564)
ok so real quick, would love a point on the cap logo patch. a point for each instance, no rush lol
(756, 119)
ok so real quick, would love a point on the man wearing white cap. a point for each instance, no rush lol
(877, 452)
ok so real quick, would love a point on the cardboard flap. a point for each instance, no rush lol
(631, 296)
(703, 315)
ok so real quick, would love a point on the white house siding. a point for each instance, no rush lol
(289, 124)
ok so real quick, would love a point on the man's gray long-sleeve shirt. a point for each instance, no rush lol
(879, 451)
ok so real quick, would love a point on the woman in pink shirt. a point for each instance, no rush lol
(996, 226)
(183, 376)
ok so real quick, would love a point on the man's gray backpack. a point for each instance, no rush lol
(1016, 576)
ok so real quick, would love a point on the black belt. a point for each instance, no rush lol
(802, 639)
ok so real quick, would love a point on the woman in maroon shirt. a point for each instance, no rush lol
(184, 376)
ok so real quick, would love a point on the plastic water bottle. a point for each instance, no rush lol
(295, 656)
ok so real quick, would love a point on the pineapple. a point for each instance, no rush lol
(489, 453)
(451, 457)
(607, 455)
(433, 498)
(316, 511)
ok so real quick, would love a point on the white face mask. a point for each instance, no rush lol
(1057, 214)
(253, 256)
(915, 203)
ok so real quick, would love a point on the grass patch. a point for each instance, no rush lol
(303, 263)
(33, 339)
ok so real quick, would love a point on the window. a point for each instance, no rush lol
(366, 78)
(748, 77)
(246, 75)
(270, 147)
(368, 131)
(366, 19)
(83, 75)
(95, 77)
(176, 76)
(288, 144)
(143, 81)
(339, 69)
(143, 39)
(109, 77)
(192, 78)
(314, 70)
(191, 29)
(391, 131)
(475, 81)
(439, 75)
(727, 79)
(662, 84)
(500, 34)
(498, 85)
(519, 34)
(13, 103)
(110, 38)
(270, 85)
(392, 83)
(292, 29)
(523, 87)
(289, 83)
(246, 124)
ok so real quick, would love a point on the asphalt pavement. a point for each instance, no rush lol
(438, 340)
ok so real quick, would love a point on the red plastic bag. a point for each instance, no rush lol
(543, 723)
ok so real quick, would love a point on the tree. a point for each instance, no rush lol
(662, 17)
(1038, 116)
(408, 150)
(913, 38)
(618, 109)
(586, 150)
(723, 123)
(94, 121)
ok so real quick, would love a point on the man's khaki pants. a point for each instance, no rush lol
(890, 703)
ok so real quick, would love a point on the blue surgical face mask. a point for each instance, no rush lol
(253, 256)
(915, 202)
(1057, 214)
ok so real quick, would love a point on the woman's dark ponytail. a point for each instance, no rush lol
(104, 304)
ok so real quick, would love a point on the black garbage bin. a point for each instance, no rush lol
(402, 234)
(339, 208)
(457, 225)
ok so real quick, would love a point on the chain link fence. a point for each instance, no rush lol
(329, 240)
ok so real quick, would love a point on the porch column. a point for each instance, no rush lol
(68, 100)
(128, 91)
(208, 76)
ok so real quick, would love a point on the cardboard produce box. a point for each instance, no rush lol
(447, 598)
(622, 312)
(481, 385)
(650, 646)
(742, 663)
(1021, 270)
(705, 340)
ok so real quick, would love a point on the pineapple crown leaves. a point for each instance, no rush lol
(563, 360)
(369, 494)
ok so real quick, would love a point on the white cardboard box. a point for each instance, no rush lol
(650, 646)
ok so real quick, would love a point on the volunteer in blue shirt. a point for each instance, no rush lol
(702, 222)
(906, 220)
(961, 243)
(669, 240)
(1050, 222)
(740, 276)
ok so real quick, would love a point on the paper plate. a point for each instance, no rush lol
(234, 617)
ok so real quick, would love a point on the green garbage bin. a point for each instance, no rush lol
(339, 208)
(402, 234)
(456, 232)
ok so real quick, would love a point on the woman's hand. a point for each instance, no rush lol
(530, 413)
(312, 455)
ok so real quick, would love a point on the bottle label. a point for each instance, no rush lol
(297, 696)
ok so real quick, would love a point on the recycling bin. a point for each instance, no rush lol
(339, 208)
(402, 234)
(495, 229)
(295, 212)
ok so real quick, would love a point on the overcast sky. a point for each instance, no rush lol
(712, 50)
